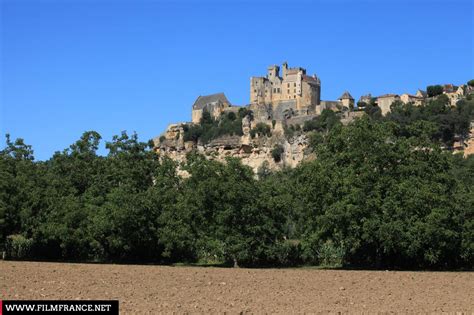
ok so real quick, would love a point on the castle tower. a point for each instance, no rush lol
(284, 69)
(347, 100)
(294, 88)
(273, 72)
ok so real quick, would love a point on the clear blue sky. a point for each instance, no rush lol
(71, 66)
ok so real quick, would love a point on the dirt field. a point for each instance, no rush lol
(159, 289)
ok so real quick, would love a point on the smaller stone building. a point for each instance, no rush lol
(385, 101)
(367, 99)
(454, 93)
(409, 98)
(215, 104)
(421, 93)
(347, 100)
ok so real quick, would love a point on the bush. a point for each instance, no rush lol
(287, 253)
(210, 128)
(231, 116)
(277, 152)
(210, 252)
(261, 129)
(289, 133)
(162, 139)
(330, 255)
(470, 83)
(245, 112)
(18, 247)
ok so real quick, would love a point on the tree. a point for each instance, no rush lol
(220, 214)
(434, 90)
(385, 200)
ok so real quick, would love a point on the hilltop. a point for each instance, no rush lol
(285, 111)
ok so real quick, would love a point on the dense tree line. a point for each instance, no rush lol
(381, 193)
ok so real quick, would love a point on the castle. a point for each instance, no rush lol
(282, 101)
(292, 95)
(294, 88)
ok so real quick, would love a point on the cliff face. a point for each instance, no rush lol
(256, 152)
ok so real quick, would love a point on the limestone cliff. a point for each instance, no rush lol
(254, 152)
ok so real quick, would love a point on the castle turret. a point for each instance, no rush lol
(284, 69)
(273, 72)
(347, 100)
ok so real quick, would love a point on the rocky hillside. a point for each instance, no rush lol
(273, 151)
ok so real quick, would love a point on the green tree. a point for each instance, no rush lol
(386, 200)
(219, 208)
(434, 90)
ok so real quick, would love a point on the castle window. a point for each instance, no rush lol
(288, 84)
(294, 96)
(274, 90)
(288, 92)
(278, 90)
(294, 91)
(255, 91)
(294, 84)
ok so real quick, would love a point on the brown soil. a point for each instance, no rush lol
(160, 289)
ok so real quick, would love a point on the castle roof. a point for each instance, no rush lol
(346, 95)
(295, 70)
(421, 92)
(310, 79)
(202, 101)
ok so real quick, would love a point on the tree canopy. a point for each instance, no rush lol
(383, 192)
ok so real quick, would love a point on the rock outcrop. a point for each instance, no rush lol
(256, 152)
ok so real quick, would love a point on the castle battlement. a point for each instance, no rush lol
(293, 85)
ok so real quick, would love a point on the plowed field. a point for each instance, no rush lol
(162, 289)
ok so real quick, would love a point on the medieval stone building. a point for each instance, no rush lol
(293, 88)
(215, 104)
(346, 100)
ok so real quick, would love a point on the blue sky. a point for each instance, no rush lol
(70, 66)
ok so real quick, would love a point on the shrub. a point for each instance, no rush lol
(210, 128)
(210, 251)
(277, 152)
(287, 253)
(330, 255)
(289, 133)
(162, 139)
(470, 83)
(245, 112)
(18, 247)
(261, 129)
(231, 116)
